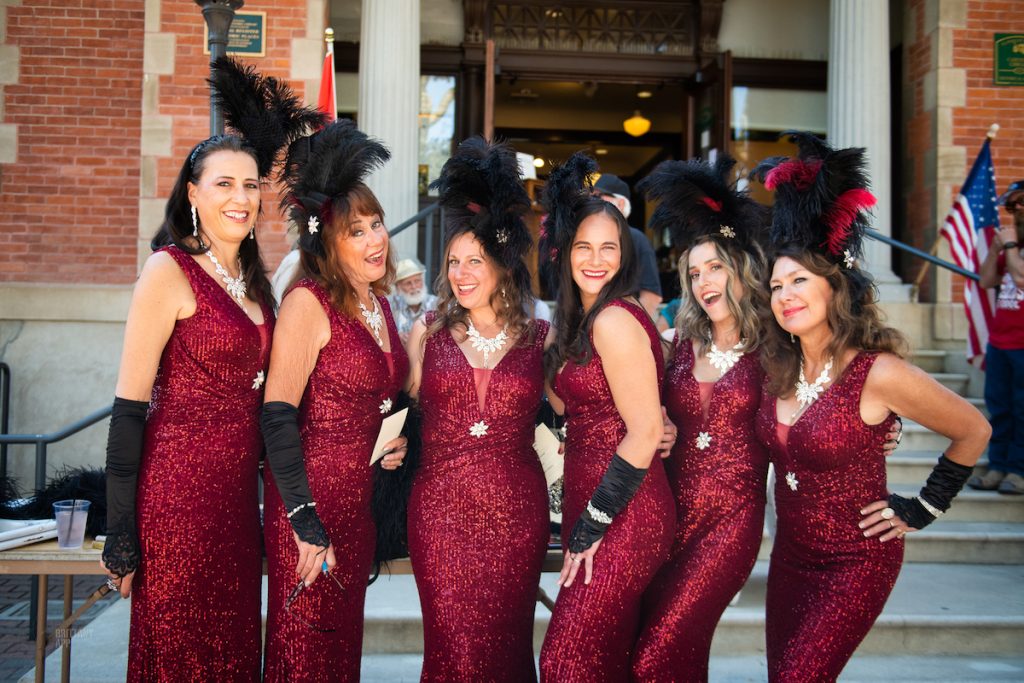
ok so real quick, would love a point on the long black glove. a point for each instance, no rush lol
(279, 423)
(945, 481)
(124, 452)
(618, 486)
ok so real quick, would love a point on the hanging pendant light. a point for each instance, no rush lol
(636, 125)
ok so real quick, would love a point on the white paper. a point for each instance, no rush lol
(18, 528)
(546, 444)
(390, 429)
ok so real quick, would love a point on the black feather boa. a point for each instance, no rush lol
(80, 483)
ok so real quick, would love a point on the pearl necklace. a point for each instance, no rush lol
(374, 319)
(235, 285)
(806, 394)
(723, 361)
(483, 344)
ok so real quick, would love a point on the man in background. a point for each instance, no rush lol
(410, 298)
(615, 191)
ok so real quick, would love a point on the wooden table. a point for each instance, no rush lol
(45, 558)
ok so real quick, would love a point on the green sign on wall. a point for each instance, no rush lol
(1009, 58)
(247, 35)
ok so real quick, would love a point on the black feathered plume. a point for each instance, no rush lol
(698, 199)
(320, 171)
(262, 109)
(821, 196)
(80, 483)
(568, 187)
(480, 186)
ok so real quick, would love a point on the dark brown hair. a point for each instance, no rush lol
(853, 318)
(176, 228)
(326, 270)
(509, 301)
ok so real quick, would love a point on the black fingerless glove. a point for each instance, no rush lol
(617, 488)
(124, 452)
(279, 423)
(944, 483)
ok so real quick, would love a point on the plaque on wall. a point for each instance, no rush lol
(247, 35)
(1008, 62)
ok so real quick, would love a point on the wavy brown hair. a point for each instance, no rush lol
(326, 270)
(853, 317)
(510, 302)
(692, 321)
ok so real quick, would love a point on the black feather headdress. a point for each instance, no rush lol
(698, 199)
(568, 188)
(821, 197)
(481, 187)
(320, 171)
(261, 109)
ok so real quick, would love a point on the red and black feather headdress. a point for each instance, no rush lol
(821, 198)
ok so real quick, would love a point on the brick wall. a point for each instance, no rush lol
(987, 103)
(70, 198)
(950, 102)
(82, 107)
(185, 96)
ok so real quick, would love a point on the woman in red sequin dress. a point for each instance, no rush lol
(839, 545)
(712, 391)
(335, 371)
(478, 514)
(183, 525)
(606, 367)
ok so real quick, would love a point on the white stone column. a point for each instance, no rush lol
(859, 115)
(389, 99)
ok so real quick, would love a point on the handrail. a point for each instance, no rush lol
(942, 263)
(426, 214)
(436, 206)
(5, 412)
(43, 440)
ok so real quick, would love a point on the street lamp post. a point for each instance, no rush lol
(218, 15)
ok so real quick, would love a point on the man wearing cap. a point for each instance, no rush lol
(1003, 268)
(615, 191)
(410, 299)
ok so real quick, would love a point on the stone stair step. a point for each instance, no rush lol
(956, 542)
(743, 669)
(977, 506)
(949, 609)
(917, 437)
(913, 467)
(929, 360)
(956, 381)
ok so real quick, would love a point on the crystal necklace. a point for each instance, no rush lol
(723, 361)
(806, 394)
(374, 319)
(483, 344)
(235, 285)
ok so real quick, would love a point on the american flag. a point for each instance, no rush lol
(969, 227)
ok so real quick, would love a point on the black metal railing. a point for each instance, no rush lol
(432, 217)
(41, 441)
(5, 412)
(931, 258)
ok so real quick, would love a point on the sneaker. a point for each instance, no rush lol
(1013, 485)
(988, 482)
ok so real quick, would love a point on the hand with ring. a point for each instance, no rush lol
(572, 563)
(395, 453)
(880, 519)
(121, 584)
(893, 437)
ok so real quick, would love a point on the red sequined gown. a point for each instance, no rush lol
(478, 513)
(350, 391)
(719, 487)
(827, 583)
(196, 595)
(594, 627)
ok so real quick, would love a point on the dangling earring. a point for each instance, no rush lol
(252, 232)
(792, 339)
(195, 222)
